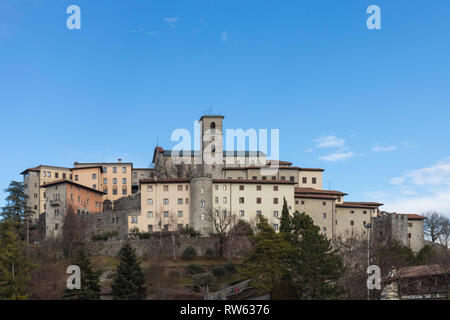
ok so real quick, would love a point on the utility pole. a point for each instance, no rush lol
(368, 226)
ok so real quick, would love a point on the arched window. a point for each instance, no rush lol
(213, 125)
(213, 149)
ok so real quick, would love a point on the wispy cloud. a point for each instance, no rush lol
(172, 21)
(384, 149)
(329, 142)
(224, 35)
(436, 175)
(338, 156)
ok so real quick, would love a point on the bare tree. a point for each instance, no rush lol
(222, 222)
(435, 225)
(169, 168)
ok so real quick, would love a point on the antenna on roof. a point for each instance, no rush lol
(208, 111)
(329, 185)
(157, 142)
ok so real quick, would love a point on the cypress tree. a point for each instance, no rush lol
(284, 220)
(90, 285)
(128, 282)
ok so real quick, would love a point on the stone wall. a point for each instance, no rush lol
(164, 246)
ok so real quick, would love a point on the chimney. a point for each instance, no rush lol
(120, 160)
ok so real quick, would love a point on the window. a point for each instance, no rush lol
(254, 177)
(166, 188)
(44, 173)
(304, 180)
(324, 229)
(186, 188)
(124, 169)
(324, 203)
(364, 212)
(166, 214)
(258, 188)
(264, 178)
(291, 178)
(258, 212)
(180, 200)
(180, 227)
(202, 190)
(352, 211)
(56, 226)
(94, 186)
(76, 177)
(409, 235)
(335, 222)
(114, 169)
(124, 190)
(187, 200)
(282, 178)
(105, 169)
(115, 181)
(124, 181)
(105, 180)
(134, 174)
(275, 188)
(150, 228)
(202, 203)
(241, 213)
(64, 176)
(241, 187)
(216, 187)
(224, 199)
(216, 200)
(150, 201)
(275, 227)
(296, 201)
(180, 187)
(94, 176)
(166, 227)
(274, 178)
(324, 215)
(224, 187)
(241, 200)
(180, 214)
(105, 189)
(149, 188)
(352, 223)
(150, 214)
(410, 224)
(364, 223)
(275, 200)
(258, 200)
(134, 219)
(56, 175)
(49, 174)
(165, 201)
(202, 216)
(275, 213)
(314, 180)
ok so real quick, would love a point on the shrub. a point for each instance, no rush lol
(230, 268)
(175, 274)
(105, 236)
(191, 232)
(194, 269)
(189, 253)
(143, 235)
(218, 271)
(210, 253)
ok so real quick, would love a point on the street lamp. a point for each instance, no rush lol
(368, 226)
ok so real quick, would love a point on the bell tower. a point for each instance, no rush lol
(211, 144)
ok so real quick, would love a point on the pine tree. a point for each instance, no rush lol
(14, 266)
(128, 282)
(90, 286)
(316, 267)
(267, 263)
(285, 221)
(17, 208)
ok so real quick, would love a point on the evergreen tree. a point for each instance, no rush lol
(285, 220)
(316, 267)
(267, 264)
(90, 286)
(17, 208)
(128, 282)
(14, 266)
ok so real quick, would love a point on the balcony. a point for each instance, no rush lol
(55, 203)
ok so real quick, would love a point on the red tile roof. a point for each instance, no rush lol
(363, 205)
(164, 180)
(414, 216)
(315, 196)
(72, 183)
(242, 181)
(299, 190)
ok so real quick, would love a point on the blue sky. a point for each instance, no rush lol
(369, 106)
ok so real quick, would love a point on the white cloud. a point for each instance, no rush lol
(172, 21)
(309, 150)
(436, 175)
(224, 35)
(438, 201)
(336, 157)
(329, 142)
(384, 149)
